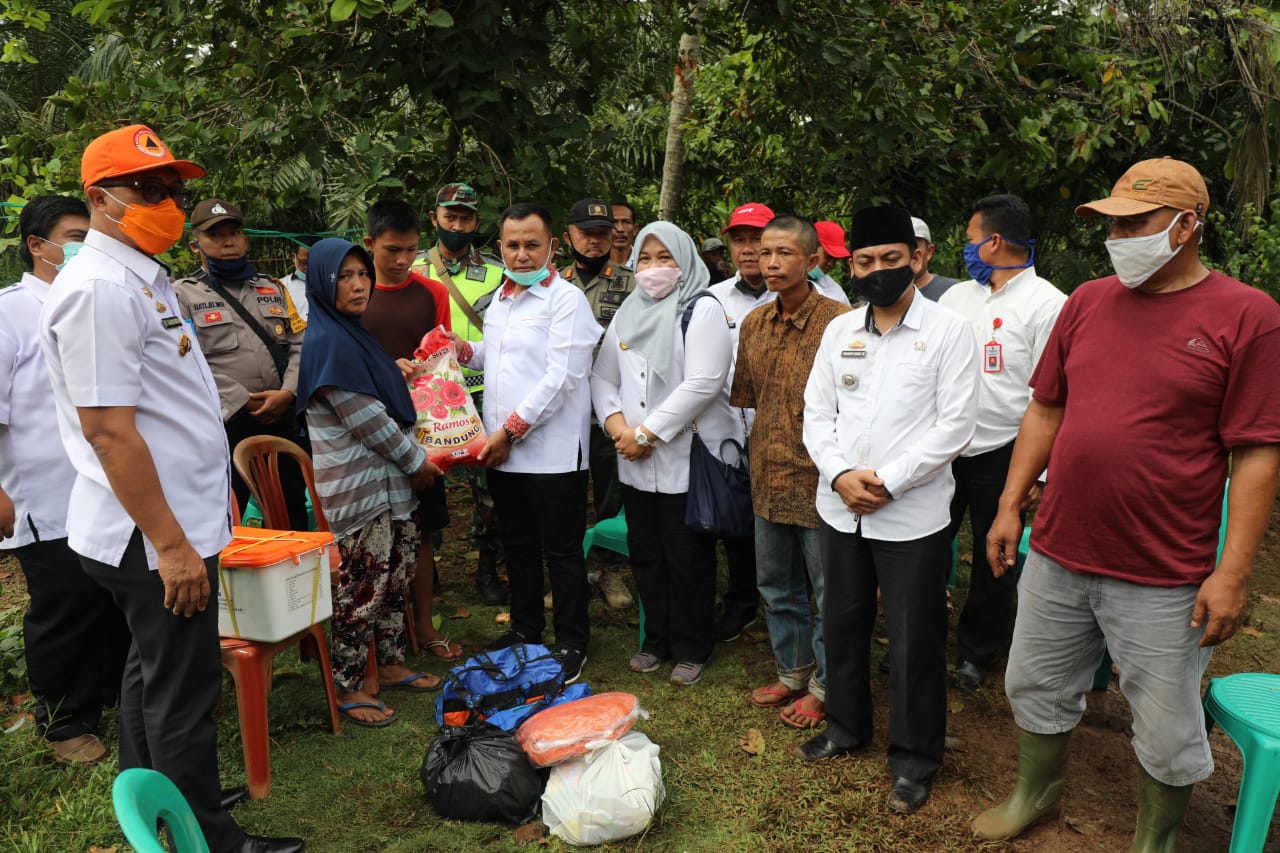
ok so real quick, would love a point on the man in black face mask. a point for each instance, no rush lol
(250, 334)
(891, 400)
(589, 236)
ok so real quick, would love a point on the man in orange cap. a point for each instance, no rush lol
(1155, 382)
(139, 417)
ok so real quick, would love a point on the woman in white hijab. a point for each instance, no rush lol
(649, 391)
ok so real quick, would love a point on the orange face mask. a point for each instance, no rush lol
(153, 227)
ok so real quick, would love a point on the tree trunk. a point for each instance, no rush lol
(681, 95)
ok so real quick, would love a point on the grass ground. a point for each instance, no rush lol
(359, 791)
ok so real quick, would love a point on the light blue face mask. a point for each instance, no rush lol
(816, 274)
(69, 251)
(300, 275)
(529, 279)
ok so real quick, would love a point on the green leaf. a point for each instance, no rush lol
(440, 18)
(341, 10)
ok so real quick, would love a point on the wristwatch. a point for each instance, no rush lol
(641, 438)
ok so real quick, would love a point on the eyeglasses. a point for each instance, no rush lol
(154, 192)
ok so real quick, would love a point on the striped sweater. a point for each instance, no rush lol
(362, 458)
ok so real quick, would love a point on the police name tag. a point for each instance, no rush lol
(170, 322)
(853, 353)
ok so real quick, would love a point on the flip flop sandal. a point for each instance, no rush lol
(781, 697)
(441, 644)
(345, 709)
(816, 716)
(406, 683)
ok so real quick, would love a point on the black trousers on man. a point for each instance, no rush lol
(243, 425)
(544, 517)
(912, 578)
(983, 630)
(741, 596)
(171, 682)
(675, 571)
(76, 640)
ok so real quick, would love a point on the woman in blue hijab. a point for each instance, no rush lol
(368, 470)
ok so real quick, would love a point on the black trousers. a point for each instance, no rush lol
(171, 682)
(243, 425)
(912, 577)
(76, 641)
(983, 630)
(606, 491)
(675, 571)
(544, 517)
(741, 596)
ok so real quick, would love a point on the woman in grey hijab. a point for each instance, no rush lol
(649, 392)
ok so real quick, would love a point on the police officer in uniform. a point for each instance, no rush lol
(588, 235)
(471, 278)
(251, 335)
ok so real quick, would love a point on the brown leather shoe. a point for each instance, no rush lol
(83, 750)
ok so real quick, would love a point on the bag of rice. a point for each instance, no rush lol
(448, 426)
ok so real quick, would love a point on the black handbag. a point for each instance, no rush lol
(719, 500)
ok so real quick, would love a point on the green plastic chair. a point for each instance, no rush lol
(141, 798)
(1247, 706)
(253, 514)
(611, 533)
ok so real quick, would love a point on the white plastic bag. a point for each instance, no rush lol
(609, 794)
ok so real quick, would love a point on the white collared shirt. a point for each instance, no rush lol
(737, 305)
(34, 469)
(1018, 317)
(112, 336)
(536, 358)
(297, 289)
(696, 389)
(831, 289)
(904, 409)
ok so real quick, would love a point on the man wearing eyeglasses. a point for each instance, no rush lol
(251, 335)
(139, 417)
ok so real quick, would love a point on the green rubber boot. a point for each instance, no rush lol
(1161, 808)
(1042, 763)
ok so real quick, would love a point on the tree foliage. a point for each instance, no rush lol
(305, 112)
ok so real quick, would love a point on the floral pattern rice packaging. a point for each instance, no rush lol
(448, 426)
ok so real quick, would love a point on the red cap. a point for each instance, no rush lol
(750, 215)
(831, 236)
(127, 151)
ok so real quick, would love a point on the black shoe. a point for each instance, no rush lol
(731, 626)
(571, 660)
(492, 590)
(232, 797)
(258, 844)
(907, 796)
(969, 677)
(510, 637)
(819, 748)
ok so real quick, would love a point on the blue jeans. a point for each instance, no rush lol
(1064, 619)
(787, 554)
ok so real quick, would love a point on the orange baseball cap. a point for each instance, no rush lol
(128, 151)
(1152, 184)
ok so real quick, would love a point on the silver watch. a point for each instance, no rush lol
(641, 438)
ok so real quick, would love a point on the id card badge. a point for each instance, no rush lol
(993, 357)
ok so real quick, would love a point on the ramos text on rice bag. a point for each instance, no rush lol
(448, 425)
(274, 583)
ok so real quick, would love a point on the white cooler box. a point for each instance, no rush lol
(274, 583)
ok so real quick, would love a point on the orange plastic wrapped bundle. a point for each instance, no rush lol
(448, 426)
(564, 731)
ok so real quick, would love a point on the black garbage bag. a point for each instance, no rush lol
(479, 772)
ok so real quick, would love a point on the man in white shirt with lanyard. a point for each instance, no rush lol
(739, 296)
(1012, 311)
(891, 401)
(75, 638)
(539, 333)
(139, 416)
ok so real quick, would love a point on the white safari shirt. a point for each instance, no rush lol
(903, 404)
(34, 470)
(112, 336)
(1017, 319)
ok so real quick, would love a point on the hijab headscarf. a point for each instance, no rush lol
(648, 325)
(337, 350)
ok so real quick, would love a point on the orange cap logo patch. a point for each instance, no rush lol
(148, 143)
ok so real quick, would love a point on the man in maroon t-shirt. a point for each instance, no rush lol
(1153, 380)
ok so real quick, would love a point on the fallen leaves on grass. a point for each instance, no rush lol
(533, 831)
(461, 613)
(503, 619)
(1251, 631)
(95, 849)
(753, 743)
(1085, 827)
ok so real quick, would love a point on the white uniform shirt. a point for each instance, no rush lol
(905, 410)
(1018, 317)
(297, 289)
(696, 389)
(829, 288)
(34, 469)
(536, 358)
(111, 336)
(737, 305)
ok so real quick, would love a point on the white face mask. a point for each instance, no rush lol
(1136, 259)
